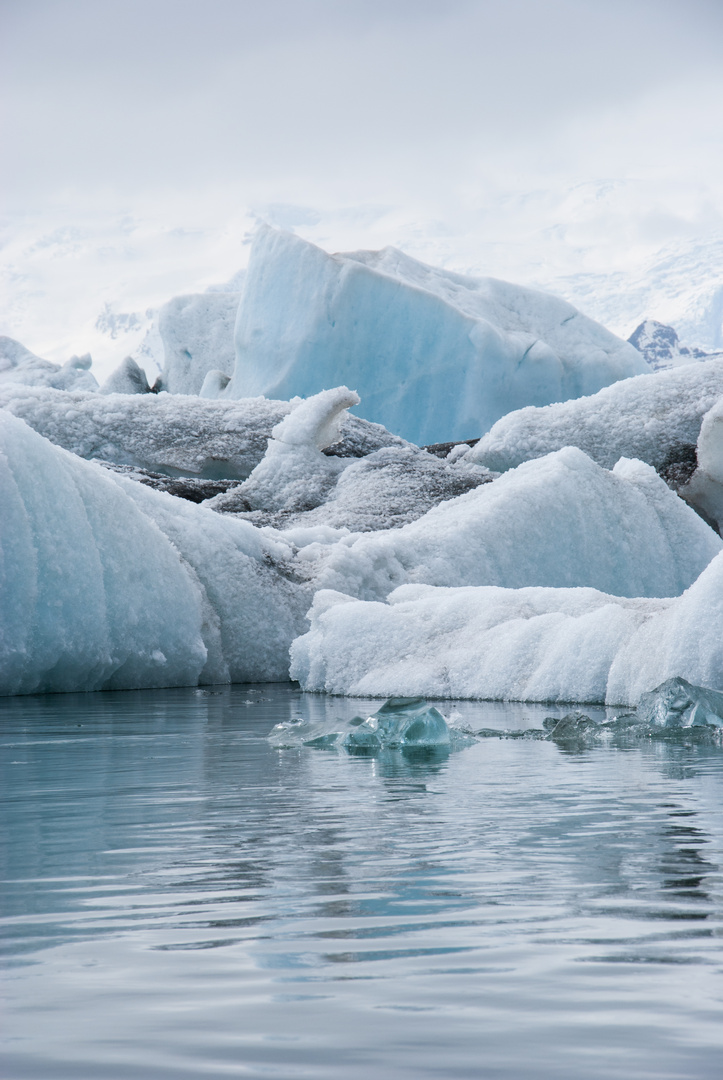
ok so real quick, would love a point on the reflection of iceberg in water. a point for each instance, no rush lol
(684, 868)
(400, 724)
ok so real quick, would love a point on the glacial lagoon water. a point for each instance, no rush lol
(182, 900)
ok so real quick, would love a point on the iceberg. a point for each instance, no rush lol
(650, 417)
(20, 365)
(197, 335)
(704, 488)
(128, 378)
(393, 487)
(558, 521)
(296, 485)
(171, 433)
(294, 474)
(530, 644)
(434, 355)
(108, 584)
(82, 569)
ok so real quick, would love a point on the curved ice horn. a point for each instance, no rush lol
(316, 421)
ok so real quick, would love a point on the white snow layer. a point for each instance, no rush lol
(434, 355)
(560, 521)
(529, 644)
(169, 433)
(107, 584)
(645, 417)
(197, 334)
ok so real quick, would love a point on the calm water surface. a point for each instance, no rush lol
(182, 900)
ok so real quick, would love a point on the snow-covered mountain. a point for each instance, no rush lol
(660, 345)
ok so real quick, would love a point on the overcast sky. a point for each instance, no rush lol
(350, 99)
(468, 117)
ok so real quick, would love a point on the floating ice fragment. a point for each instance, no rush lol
(575, 727)
(400, 724)
(676, 703)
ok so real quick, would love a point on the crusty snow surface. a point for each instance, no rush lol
(188, 436)
(648, 417)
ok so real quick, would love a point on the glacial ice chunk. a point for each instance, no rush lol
(648, 417)
(108, 584)
(197, 335)
(559, 521)
(411, 722)
(676, 703)
(392, 487)
(294, 474)
(530, 644)
(128, 378)
(434, 355)
(94, 596)
(405, 724)
(704, 489)
(19, 365)
(171, 433)
(214, 384)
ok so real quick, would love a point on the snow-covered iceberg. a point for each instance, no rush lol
(171, 433)
(197, 335)
(294, 474)
(107, 584)
(559, 521)
(296, 485)
(704, 489)
(433, 354)
(127, 378)
(529, 644)
(649, 417)
(20, 365)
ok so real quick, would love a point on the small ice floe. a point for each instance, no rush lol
(674, 710)
(676, 703)
(400, 724)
